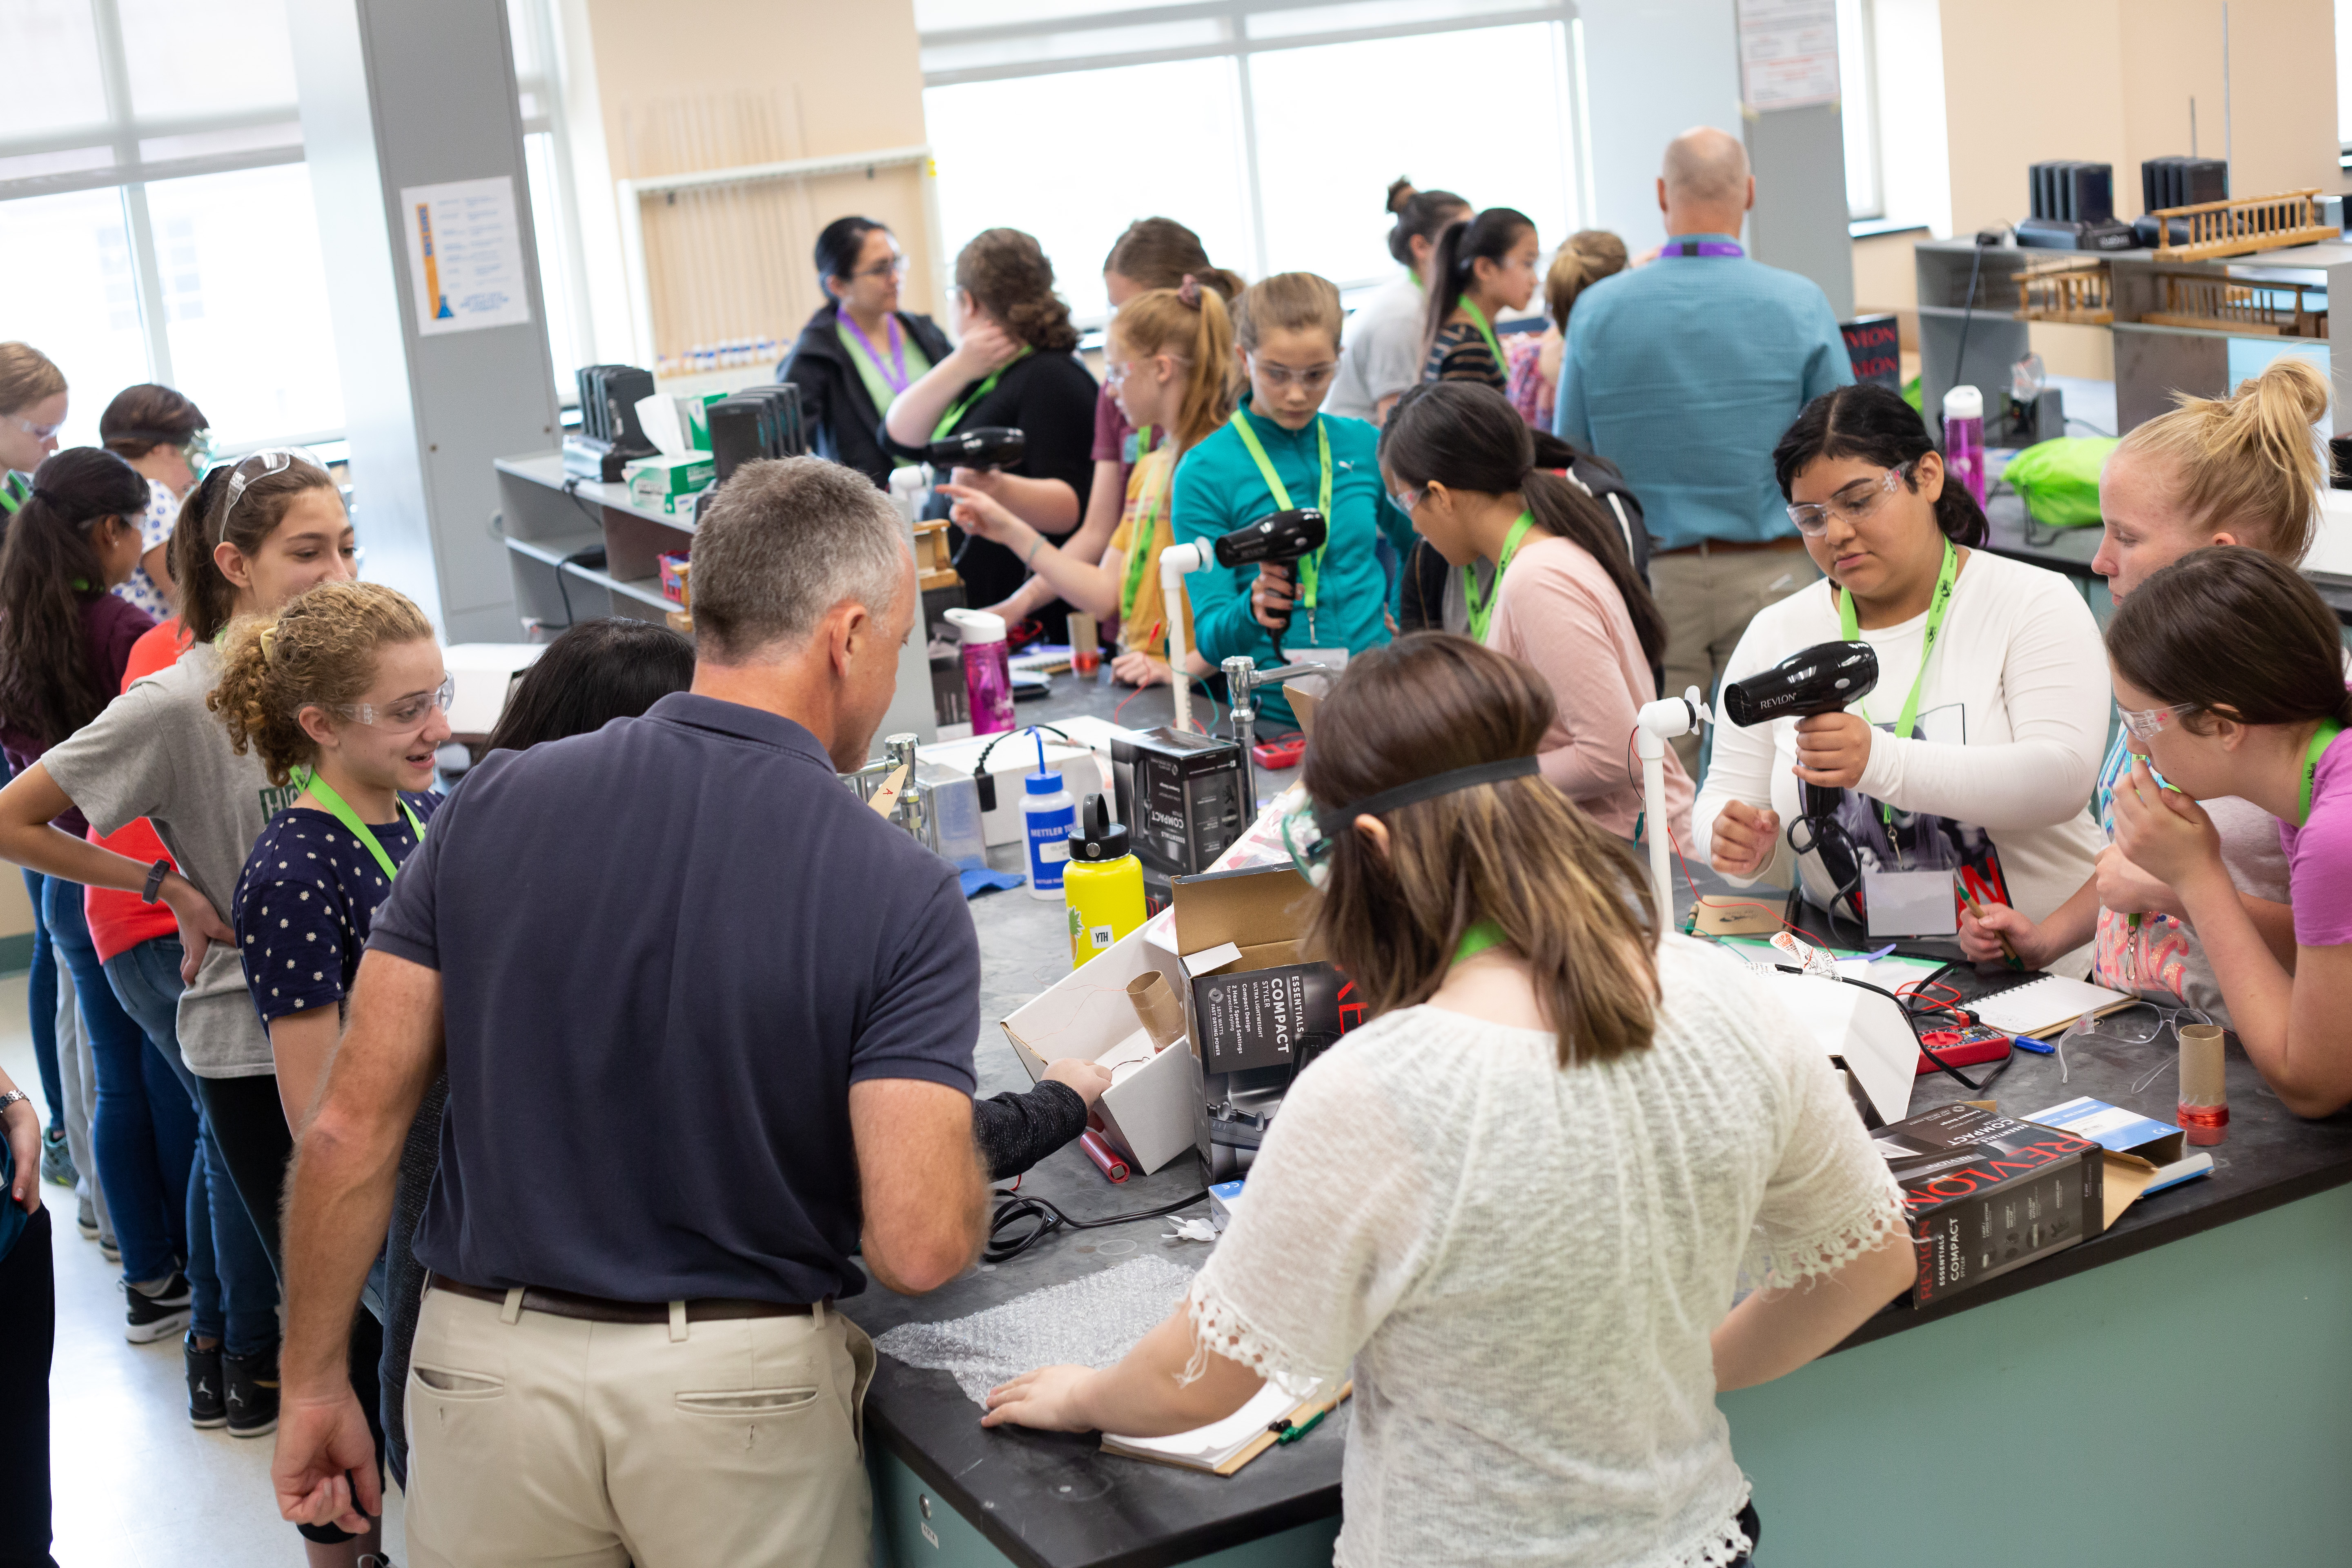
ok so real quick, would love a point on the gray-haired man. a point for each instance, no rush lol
(677, 933)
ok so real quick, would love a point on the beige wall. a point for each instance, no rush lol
(2110, 81)
(727, 82)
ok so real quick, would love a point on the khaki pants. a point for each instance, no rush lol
(548, 1440)
(1707, 599)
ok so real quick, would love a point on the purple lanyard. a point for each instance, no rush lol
(896, 383)
(1700, 248)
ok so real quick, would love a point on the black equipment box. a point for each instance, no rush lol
(609, 437)
(1180, 795)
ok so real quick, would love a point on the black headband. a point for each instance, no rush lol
(1335, 820)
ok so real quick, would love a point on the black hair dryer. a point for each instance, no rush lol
(982, 447)
(1823, 679)
(1279, 539)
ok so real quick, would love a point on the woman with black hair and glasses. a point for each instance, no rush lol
(1975, 755)
(860, 350)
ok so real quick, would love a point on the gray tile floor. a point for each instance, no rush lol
(133, 1483)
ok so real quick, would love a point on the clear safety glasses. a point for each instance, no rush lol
(1314, 378)
(2143, 722)
(1855, 502)
(37, 432)
(403, 713)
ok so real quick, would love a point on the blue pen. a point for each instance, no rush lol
(2026, 1043)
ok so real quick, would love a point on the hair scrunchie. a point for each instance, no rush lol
(1188, 293)
(51, 497)
(269, 635)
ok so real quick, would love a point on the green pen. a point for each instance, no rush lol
(1291, 1434)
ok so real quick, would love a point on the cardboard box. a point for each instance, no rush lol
(1269, 1018)
(1228, 925)
(1180, 795)
(1000, 797)
(1151, 1107)
(1987, 1193)
(657, 482)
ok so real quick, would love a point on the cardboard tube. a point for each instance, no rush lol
(1157, 1006)
(2201, 1078)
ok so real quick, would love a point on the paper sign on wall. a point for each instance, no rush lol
(464, 256)
(1787, 53)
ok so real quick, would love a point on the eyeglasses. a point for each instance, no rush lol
(894, 267)
(1313, 378)
(405, 713)
(1117, 371)
(2143, 722)
(196, 451)
(1853, 503)
(37, 432)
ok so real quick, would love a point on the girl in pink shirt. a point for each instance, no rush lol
(1547, 577)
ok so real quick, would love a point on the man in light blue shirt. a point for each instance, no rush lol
(1683, 373)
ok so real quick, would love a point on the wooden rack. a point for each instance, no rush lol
(2079, 289)
(2242, 226)
(2223, 304)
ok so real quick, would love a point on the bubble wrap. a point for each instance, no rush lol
(1091, 1322)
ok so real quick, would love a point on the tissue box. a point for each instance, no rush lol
(665, 483)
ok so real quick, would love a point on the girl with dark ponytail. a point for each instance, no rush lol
(1974, 757)
(1559, 591)
(1481, 267)
(65, 640)
(2229, 672)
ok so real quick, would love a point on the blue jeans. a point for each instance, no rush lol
(145, 1126)
(233, 1290)
(41, 1002)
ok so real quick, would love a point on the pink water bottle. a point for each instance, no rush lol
(1964, 438)
(987, 669)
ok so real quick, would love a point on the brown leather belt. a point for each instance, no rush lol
(1733, 547)
(599, 1310)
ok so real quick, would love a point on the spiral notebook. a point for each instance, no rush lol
(2047, 1005)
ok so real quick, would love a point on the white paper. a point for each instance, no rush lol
(1220, 1440)
(1866, 1028)
(464, 256)
(1208, 959)
(1787, 53)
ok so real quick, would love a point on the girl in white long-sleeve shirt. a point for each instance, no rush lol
(2008, 717)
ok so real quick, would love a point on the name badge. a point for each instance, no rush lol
(1910, 903)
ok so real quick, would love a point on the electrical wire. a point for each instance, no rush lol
(1049, 1219)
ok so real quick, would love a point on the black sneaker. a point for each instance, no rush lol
(251, 1393)
(207, 1404)
(147, 1318)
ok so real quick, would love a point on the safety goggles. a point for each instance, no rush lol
(37, 432)
(1854, 503)
(253, 466)
(1310, 832)
(197, 451)
(2143, 722)
(402, 713)
(894, 267)
(1312, 378)
(1405, 499)
(1117, 371)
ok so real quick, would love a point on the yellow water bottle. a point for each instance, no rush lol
(1102, 884)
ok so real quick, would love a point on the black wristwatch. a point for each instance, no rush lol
(156, 875)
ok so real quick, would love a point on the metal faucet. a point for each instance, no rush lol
(1241, 678)
(912, 810)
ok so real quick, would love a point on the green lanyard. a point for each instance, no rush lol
(341, 811)
(1478, 939)
(2320, 741)
(1310, 567)
(1478, 320)
(11, 495)
(1482, 605)
(1850, 628)
(948, 420)
(1139, 541)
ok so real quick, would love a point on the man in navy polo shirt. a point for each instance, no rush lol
(678, 933)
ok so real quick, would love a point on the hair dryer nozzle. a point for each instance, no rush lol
(1279, 537)
(983, 446)
(1822, 678)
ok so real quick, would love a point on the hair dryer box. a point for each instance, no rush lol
(1180, 795)
(1986, 1193)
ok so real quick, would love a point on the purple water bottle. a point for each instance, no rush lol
(987, 669)
(1964, 438)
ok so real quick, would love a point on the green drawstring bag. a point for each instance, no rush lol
(2059, 481)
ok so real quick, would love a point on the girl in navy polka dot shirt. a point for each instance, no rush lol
(344, 695)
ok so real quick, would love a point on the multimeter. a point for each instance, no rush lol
(1964, 1047)
(1283, 752)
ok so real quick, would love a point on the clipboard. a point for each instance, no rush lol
(1310, 1411)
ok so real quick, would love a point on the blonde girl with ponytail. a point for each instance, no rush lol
(1170, 363)
(2242, 469)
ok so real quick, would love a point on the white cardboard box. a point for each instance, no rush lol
(1017, 755)
(1150, 1109)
